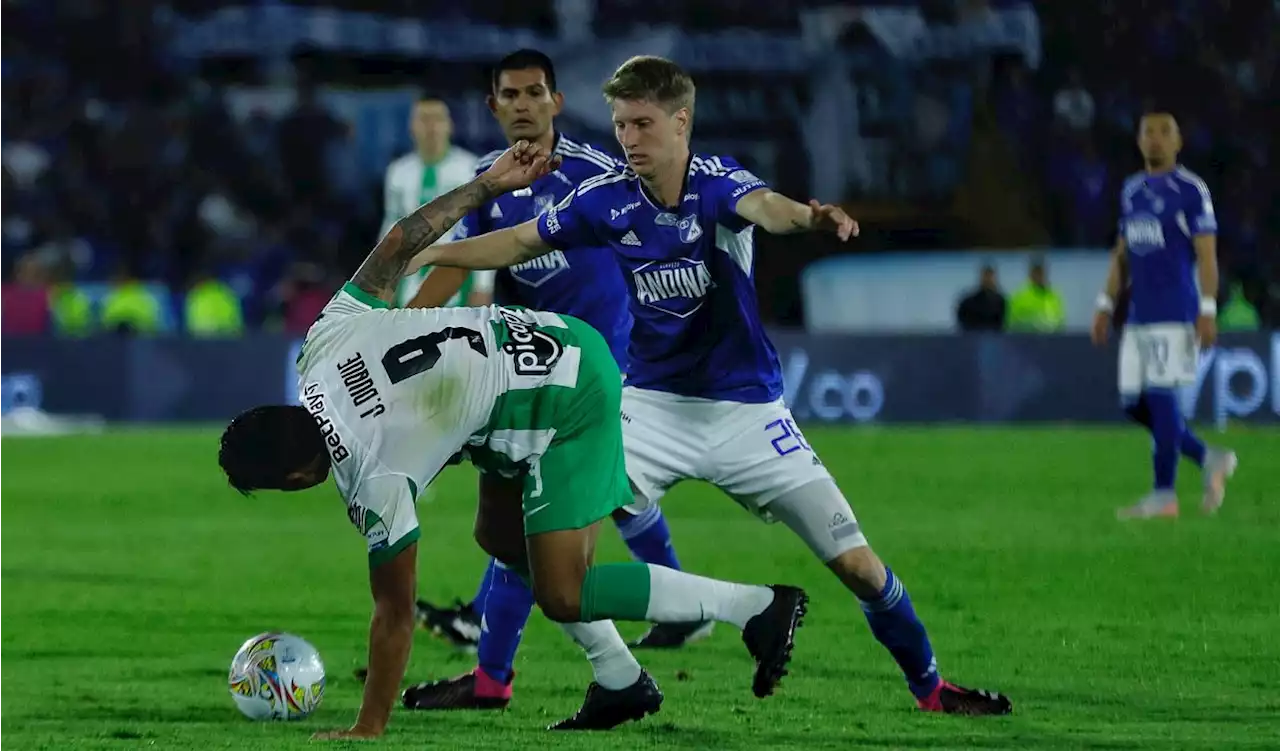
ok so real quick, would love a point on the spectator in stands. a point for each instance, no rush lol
(1073, 105)
(130, 307)
(70, 306)
(304, 139)
(1017, 112)
(984, 308)
(304, 294)
(1238, 314)
(26, 299)
(1088, 203)
(213, 309)
(1037, 307)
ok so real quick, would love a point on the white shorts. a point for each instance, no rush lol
(753, 452)
(1157, 355)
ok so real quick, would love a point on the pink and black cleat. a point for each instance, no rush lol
(474, 690)
(949, 698)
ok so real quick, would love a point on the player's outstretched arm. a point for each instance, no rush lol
(394, 584)
(518, 166)
(495, 250)
(779, 215)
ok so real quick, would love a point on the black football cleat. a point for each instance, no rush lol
(604, 709)
(474, 690)
(949, 698)
(770, 636)
(673, 635)
(459, 625)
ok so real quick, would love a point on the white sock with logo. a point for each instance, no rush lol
(614, 666)
(681, 597)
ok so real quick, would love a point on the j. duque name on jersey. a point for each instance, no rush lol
(355, 376)
(315, 402)
(535, 273)
(1143, 232)
(677, 287)
(533, 353)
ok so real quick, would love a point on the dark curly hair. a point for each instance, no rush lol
(263, 446)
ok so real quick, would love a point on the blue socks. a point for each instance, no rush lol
(1192, 447)
(649, 538)
(1157, 410)
(506, 611)
(505, 600)
(895, 625)
(1166, 437)
(477, 602)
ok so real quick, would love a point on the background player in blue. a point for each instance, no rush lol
(704, 388)
(1167, 243)
(588, 286)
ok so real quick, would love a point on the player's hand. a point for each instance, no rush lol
(1207, 330)
(833, 219)
(1101, 328)
(519, 166)
(354, 732)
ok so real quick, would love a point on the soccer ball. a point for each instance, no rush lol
(277, 676)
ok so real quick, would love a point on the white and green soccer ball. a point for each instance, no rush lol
(277, 676)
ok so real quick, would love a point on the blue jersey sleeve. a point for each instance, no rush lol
(569, 224)
(476, 223)
(471, 225)
(727, 188)
(1126, 205)
(1199, 208)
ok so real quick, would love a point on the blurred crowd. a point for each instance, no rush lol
(121, 166)
(131, 196)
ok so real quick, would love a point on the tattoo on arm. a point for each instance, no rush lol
(381, 271)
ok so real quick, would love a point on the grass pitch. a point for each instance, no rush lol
(132, 573)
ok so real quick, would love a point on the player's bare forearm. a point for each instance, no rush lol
(1115, 270)
(495, 250)
(393, 584)
(775, 213)
(390, 638)
(383, 269)
(1207, 264)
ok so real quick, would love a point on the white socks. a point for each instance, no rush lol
(678, 597)
(614, 666)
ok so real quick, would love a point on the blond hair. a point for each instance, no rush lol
(646, 78)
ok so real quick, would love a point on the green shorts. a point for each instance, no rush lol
(581, 477)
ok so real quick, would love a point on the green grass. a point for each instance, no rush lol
(132, 573)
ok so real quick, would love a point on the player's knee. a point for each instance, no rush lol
(861, 571)
(562, 604)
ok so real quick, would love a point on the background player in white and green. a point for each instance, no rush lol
(390, 396)
(434, 167)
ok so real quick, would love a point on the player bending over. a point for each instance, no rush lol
(1167, 242)
(704, 388)
(389, 396)
(588, 286)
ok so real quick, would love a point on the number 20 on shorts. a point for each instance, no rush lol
(785, 437)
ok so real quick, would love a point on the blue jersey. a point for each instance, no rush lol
(587, 284)
(1159, 214)
(696, 329)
